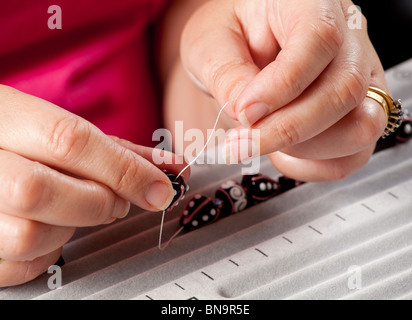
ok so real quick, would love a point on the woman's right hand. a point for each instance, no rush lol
(58, 172)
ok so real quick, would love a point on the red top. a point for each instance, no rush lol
(97, 65)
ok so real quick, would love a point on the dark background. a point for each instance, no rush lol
(390, 28)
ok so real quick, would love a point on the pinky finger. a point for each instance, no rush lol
(13, 273)
(320, 170)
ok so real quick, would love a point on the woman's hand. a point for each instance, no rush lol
(58, 172)
(296, 71)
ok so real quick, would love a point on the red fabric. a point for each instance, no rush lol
(96, 66)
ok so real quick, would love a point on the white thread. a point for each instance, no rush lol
(208, 140)
(184, 169)
(161, 229)
(170, 240)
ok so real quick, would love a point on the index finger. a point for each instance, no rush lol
(41, 131)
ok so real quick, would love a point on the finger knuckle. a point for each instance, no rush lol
(69, 137)
(351, 89)
(288, 79)
(30, 271)
(25, 189)
(287, 132)
(129, 171)
(216, 73)
(328, 32)
(23, 240)
(355, 83)
(100, 209)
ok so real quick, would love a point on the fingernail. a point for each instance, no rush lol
(159, 195)
(240, 150)
(253, 114)
(121, 208)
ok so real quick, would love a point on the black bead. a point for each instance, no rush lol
(180, 188)
(199, 211)
(231, 198)
(404, 133)
(260, 188)
(287, 184)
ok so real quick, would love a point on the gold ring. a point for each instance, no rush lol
(392, 108)
(1, 260)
